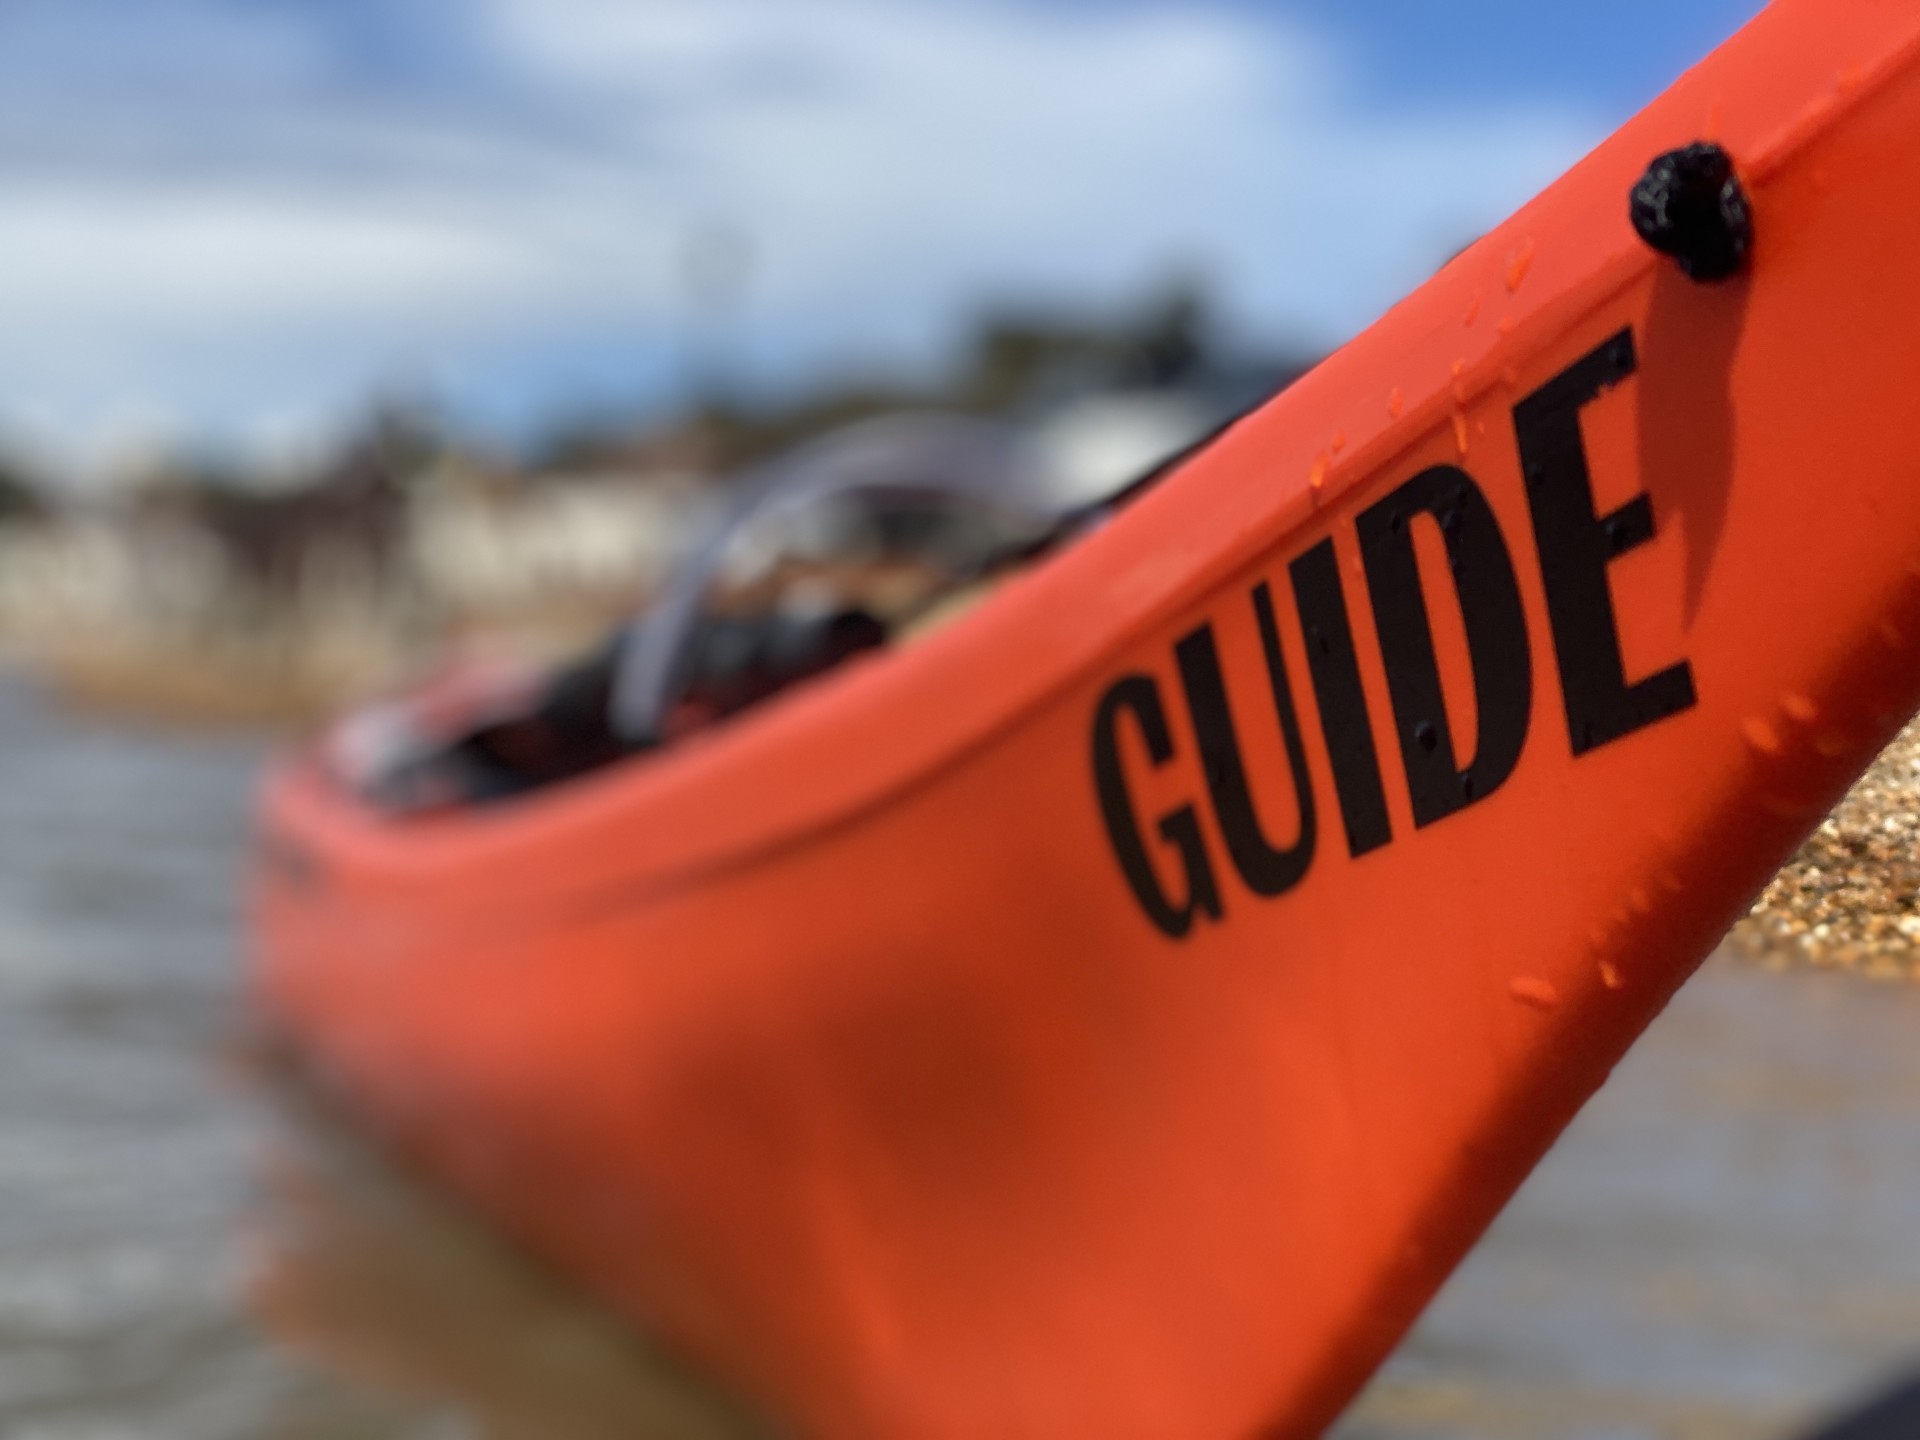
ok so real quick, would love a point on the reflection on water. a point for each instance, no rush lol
(1721, 1248)
(393, 1291)
(187, 1251)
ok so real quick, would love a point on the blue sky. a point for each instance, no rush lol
(235, 221)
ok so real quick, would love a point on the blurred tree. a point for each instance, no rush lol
(1022, 358)
(1019, 361)
(21, 497)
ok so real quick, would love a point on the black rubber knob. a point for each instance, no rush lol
(1691, 205)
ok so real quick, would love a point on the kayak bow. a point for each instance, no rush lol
(1116, 1013)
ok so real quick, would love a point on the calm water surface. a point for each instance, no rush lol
(1726, 1244)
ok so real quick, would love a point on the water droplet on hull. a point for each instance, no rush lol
(1832, 745)
(1517, 266)
(1761, 736)
(1532, 990)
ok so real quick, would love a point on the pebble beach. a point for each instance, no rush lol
(1850, 897)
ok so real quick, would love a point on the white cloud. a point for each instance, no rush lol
(891, 164)
(172, 265)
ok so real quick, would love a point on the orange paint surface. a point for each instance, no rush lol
(836, 1045)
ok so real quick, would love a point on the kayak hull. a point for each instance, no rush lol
(1117, 1013)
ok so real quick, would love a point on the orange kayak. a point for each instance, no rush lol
(1116, 1013)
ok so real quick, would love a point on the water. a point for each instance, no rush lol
(187, 1248)
(1721, 1247)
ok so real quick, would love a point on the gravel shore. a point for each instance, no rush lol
(1850, 897)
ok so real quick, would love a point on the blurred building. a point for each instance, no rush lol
(208, 586)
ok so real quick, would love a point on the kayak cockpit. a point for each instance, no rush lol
(865, 539)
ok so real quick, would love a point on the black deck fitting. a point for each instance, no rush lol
(1690, 205)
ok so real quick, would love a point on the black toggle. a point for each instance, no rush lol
(1691, 205)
